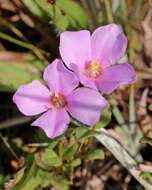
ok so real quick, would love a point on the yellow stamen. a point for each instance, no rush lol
(56, 95)
(94, 65)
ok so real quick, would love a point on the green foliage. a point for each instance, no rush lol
(49, 157)
(150, 107)
(3, 180)
(85, 132)
(23, 180)
(51, 164)
(93, 154)
(17, 72)
(65, 14)
(105, 118)
(36, 10)
(147, 176)
(70, 152)
(146, 140)
(59, 182)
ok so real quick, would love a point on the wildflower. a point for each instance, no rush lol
(94, 57)
(61, 98)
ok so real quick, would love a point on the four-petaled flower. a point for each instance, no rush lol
(84, 104)
(94, 57)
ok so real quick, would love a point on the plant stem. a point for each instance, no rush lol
(109, 11)
(61, 150)
(89, 13)
(25, 45)
(132, 116)
(9, 147)
(12, 28)
(94, 11)
(89, 142)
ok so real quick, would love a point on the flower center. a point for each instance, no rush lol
(58, 101)
(93, 70)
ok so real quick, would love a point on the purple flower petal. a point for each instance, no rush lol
(114, 76)
(84, 79)
(108, 44)
(59, 79)
(86, 105)
(53, 122)
(32, 98)
(75, 47)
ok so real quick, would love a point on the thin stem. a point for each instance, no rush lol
(87, 9)
(132, 115)
(61, 150)
(119, 117)
(9, 147)
(94, 11)
(25, 45)
(89, 142)
(109, 11)
(124, 8)
(123, 127)
(12, 28)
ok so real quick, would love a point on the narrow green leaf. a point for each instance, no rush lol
(35, 180)
(17, 72)
(124, 8)
(122, 155)
(30, 168)
(36, 10)
(108, 11)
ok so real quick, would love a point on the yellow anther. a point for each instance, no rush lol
(56, 95)
(94, 65)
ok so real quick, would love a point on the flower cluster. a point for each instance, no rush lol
(94, 62)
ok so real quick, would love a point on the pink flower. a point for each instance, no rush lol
(93, 57)
(34, 98)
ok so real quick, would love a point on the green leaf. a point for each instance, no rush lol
(36, 10)
(59, 182)
(82, 132)
(17, 72)
(122, 155)
(69, 172)
(123, 8)
(49, 157)
(70, 152)
(35, 180)
(105, 118)
(93, 154)
(28, 174)
(146, 140)
(76, 162)
(65, 14)
(150, 107)
(147, 176)
(19, 175)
